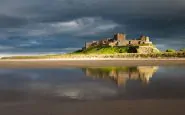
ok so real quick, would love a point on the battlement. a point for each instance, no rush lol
(119, 39)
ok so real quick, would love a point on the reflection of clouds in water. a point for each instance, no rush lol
(171, 71)
(49, 81)
(19, 73)
(86, 91)
(82, 90)
(6, 71)
(94, 83)
(38, 82)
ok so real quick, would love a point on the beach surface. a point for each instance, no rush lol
(117, 107)
(59, 106)
(86, 62)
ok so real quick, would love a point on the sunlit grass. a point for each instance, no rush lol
(103, 50)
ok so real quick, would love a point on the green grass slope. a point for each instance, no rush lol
(107, 50)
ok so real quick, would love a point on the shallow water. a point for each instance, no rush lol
(105, 83)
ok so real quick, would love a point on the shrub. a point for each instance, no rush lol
(170, 50)
(183, 50)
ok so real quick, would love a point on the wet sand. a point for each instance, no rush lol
(109, 107)
(56, 63)
(118, 107)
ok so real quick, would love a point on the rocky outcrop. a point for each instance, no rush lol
(147, 49)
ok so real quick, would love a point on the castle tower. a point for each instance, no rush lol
(120, 37)
(144, 38)
(87, 45)
(147, 39)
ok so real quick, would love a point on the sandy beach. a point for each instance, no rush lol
(117, 107)
(86, 62)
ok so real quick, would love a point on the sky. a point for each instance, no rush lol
(58, 26)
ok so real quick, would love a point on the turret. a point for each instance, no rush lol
(120, 37)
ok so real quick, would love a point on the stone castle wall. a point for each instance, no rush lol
(119, 40)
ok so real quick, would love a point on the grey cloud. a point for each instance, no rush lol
(62, 10)
(19, 19)
(78, 27)
(11, 22)
(65, 9)
(172, 42)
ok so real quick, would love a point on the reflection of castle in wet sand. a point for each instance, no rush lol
(122, 74)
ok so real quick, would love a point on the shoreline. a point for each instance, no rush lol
(89, 62)
(95, 59)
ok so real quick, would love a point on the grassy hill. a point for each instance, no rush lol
(107, 50)
(118, 49)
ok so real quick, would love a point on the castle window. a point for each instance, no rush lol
(139, 42)
(129, 42)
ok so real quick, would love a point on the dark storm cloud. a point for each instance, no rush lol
(67, 21)
(11, 22)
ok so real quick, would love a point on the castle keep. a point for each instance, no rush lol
(119, 39)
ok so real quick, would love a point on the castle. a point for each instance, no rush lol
(119, 39)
